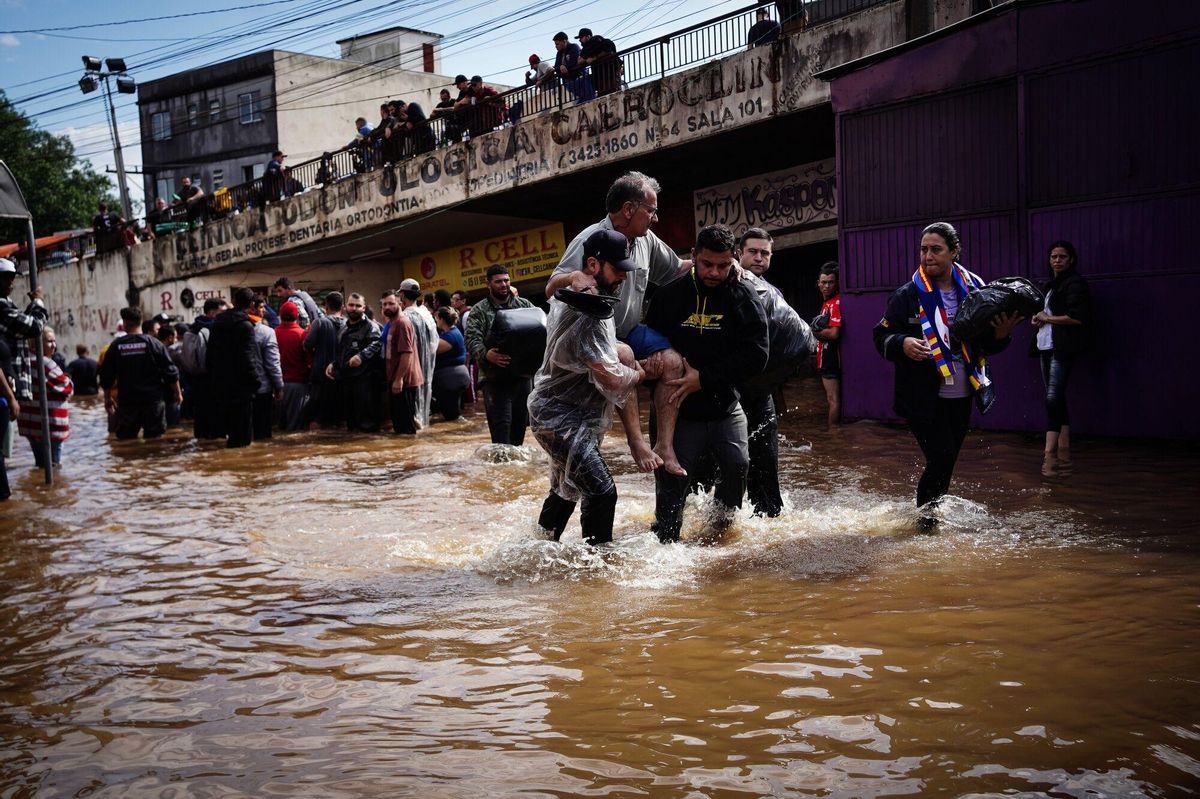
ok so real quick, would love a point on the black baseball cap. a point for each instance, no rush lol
(584, 32)
(476, 79)
(459, 79)
(611, 247)
(561, 36)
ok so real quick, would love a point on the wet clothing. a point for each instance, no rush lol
(725, 441)
(425, 339)
(84, 374)
(234, 379)
(762, 474)
(505, 395)
(358, 339)
(59, 389)
(570, 411)
(402, 372)
(829, 355)
(1058, 346)
(15, 328)
(938, 423)
(140, 368)
(656, 263)
(722, 332)
(479, 324)
(450, 376)
(457, 354)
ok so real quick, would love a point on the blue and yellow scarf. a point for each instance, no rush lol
(935, 326)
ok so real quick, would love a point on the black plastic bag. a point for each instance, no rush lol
(519, 333)
(1002, 296)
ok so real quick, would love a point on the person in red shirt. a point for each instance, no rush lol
(296, 364)
(827, 327)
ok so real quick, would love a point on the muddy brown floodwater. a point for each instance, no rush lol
(336, 616)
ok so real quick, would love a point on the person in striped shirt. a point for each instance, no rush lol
(59, 389)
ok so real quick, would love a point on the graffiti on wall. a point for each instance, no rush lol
(789, 199)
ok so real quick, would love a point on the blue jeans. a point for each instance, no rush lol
(55, 452)
(1056, 372)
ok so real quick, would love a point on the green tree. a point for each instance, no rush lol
(61, 191)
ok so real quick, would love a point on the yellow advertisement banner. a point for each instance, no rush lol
(529, 255)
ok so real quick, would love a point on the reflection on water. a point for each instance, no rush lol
(345, 616)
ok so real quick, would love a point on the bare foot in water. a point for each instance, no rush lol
(669, 461)
(646, 459)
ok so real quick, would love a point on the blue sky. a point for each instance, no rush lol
(41, 42)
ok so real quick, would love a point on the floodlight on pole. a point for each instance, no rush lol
(125, 85)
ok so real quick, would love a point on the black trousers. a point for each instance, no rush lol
(359, 404)
(449, 385)
(5, 492)
(940, 439)
(237, 415)
(148, 417)
(403, 410)
(208, 422)
(725, 440)
(506, 400)
(261, 411)
(324, 405)
(762, 477)
(577, 468)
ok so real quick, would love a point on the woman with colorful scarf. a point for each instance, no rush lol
(937, 377)
(1064, 331)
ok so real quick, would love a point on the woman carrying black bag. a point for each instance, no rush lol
(936, 379)
(1064, 331)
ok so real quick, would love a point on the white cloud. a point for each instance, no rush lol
(8, 40)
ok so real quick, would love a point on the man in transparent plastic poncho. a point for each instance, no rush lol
(585, 373)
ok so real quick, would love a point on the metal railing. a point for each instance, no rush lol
(653, 60)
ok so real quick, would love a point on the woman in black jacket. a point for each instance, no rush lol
(936, 379)
(1064, 330)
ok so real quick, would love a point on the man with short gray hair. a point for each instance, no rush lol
(632, 206)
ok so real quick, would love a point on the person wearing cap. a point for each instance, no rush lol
(425, 340)
(505, 394)
(632, 205)
(294, 365)
(599, 55)
(487, 111)
(716, 322)
(764, 30)
(568, 70)
(582, 377)
(540, 73)
(16, 327)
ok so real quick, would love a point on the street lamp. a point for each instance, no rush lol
(125, 85)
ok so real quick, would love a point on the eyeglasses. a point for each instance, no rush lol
(653, 209)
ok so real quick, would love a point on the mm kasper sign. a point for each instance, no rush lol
(527, 255)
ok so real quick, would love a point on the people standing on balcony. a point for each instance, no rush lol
(632, 206)
(190, 198)
(420, 135)
(599, 55)
(107, 228)
(793, 15)
(538, 71)
(764, 30)
(486, 110)
(568, 70)
(273, 178)
(159, 215)
(360, 145)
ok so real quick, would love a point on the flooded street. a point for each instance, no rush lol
(341, 616)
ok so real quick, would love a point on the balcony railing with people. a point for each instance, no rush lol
(653, 60)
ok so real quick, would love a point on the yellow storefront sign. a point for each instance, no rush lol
(529, 255)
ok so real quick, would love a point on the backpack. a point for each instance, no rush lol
(193, 352)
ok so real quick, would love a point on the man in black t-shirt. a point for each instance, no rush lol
(139, 368)
(84, 372)
(190, 196)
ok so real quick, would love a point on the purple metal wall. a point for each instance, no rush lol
(1021, 138)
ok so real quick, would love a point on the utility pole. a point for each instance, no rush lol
(125, 85)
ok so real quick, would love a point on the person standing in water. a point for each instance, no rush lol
(583, 375)
(935, 380)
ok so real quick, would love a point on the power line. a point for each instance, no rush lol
(149, 19)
